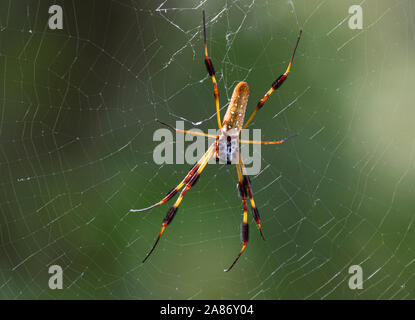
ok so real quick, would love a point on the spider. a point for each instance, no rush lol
(225, 148)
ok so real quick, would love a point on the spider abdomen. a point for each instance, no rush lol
(234, 117)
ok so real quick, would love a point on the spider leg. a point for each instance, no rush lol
(173, 210)
(247, 184)
(211, 71)
(171, 193)
(195, 133)
(244, 225)
(275, 85)
(268, 142)
(217, 149)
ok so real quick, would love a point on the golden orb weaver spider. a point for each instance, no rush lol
(230, 129)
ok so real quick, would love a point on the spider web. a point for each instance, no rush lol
(78, 109)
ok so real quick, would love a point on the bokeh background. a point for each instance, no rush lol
(77, 117)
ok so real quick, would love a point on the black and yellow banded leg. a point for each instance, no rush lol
(173, 210)
(244, 225)
(211, 71)
(217, 149)
(275, 85)
(171, 193)
(248, 188)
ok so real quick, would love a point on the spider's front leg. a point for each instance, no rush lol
(217, 149)
(173, 210)
(244, 225)
(248, 190)
(244, 190)
(172, 192)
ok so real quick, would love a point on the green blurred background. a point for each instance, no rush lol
(76, 124)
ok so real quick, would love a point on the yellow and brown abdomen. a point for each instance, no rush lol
(234, 117)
